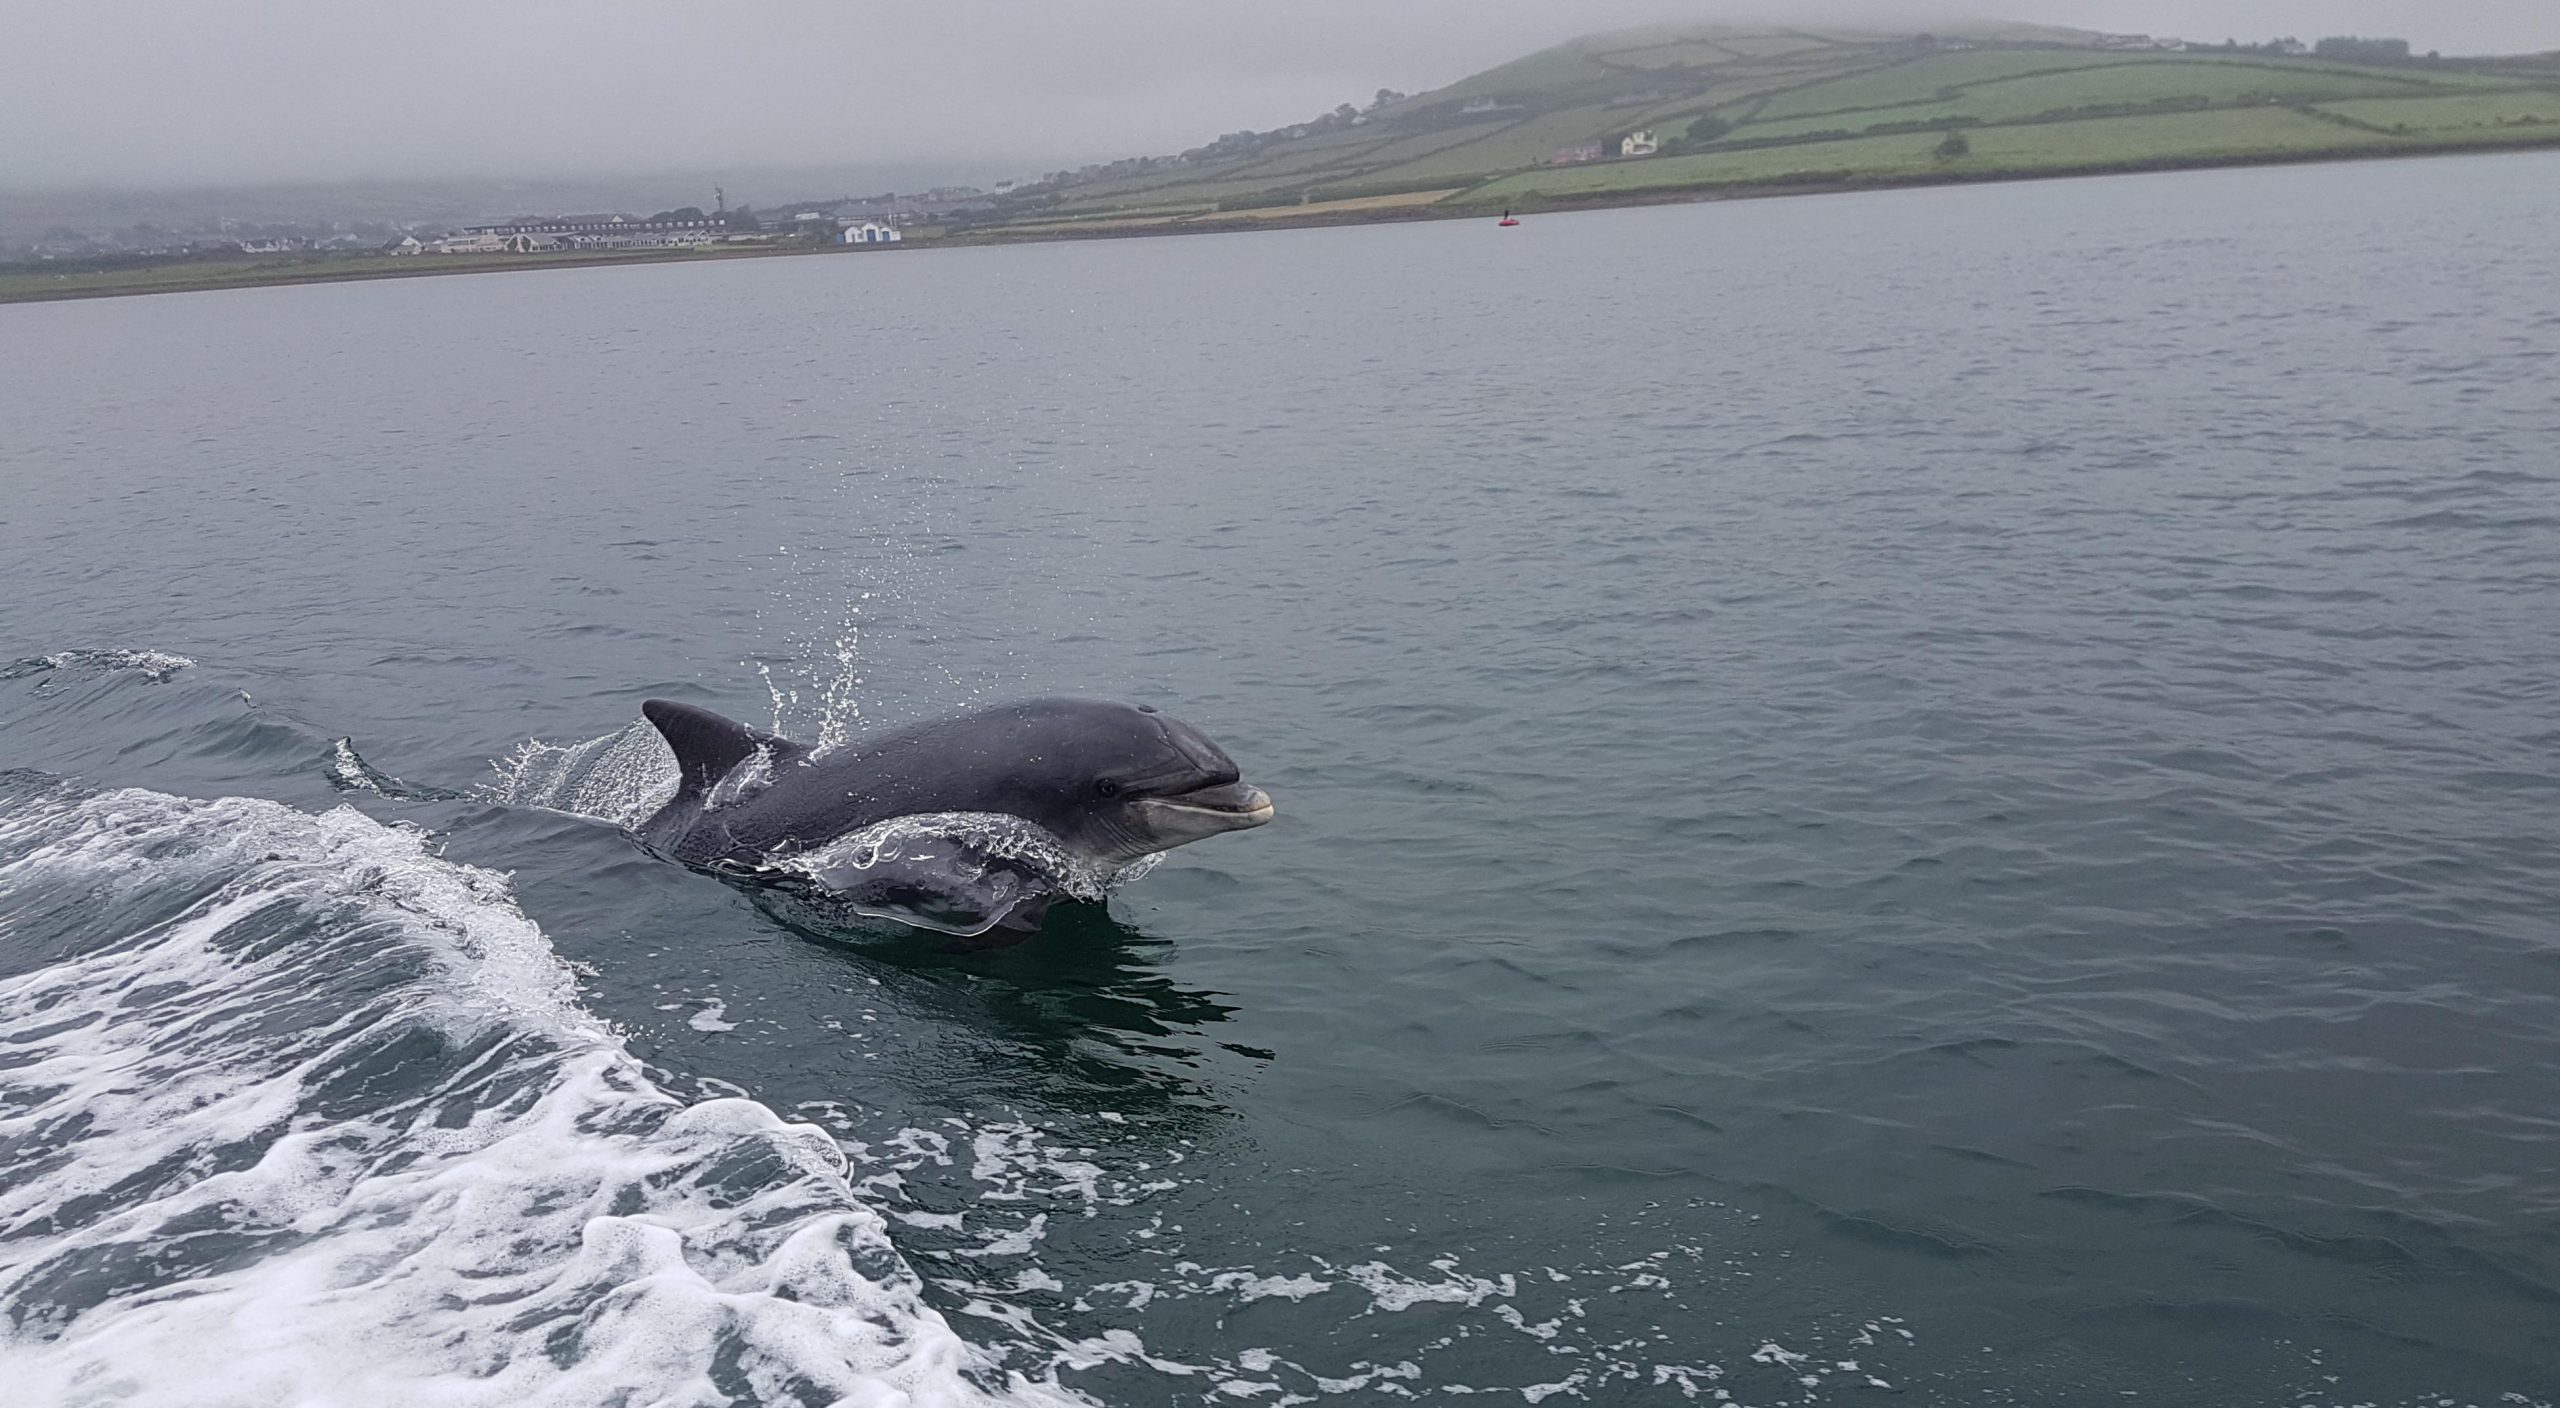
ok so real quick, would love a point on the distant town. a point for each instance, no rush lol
(871, 221)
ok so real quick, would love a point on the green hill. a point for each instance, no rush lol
(1737, 109)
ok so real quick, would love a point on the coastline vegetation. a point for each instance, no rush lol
(1743, 111)
(115, 277)
(1717, 113)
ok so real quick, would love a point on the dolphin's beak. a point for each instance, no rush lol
(1231, 806)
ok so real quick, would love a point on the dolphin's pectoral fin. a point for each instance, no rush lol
(1024, 918)
(940, 885)
(1017, 925)
(707, 746)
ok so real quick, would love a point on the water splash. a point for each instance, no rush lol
(621, 777)
(838, 693)
(749, 777)
(156, 665)
(839, 706)
(785, 700)
(994, 838)
(958, 873)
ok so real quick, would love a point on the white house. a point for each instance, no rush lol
(1639, 144)
(871, 232)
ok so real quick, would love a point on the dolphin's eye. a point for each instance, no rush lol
(1106, 787)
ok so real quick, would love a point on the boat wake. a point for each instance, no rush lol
(295, 1110)
(292, 1110)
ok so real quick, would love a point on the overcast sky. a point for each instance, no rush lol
(206, 92)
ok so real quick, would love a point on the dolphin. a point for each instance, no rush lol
(1109, 783)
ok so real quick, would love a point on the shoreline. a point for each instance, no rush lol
(165, 278)
(369, 268)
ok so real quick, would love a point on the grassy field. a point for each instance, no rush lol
(1925, 77)
(2273, 133)
(1295, 212)
(1531, 141)
(1508, 147)
(2120, 85)
(32, 285)
(2469, 112)
(23, 285)
(1312, 157)
(1802, 106)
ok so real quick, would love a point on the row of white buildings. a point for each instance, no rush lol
(599, 232)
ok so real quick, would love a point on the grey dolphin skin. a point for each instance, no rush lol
(1112, 782)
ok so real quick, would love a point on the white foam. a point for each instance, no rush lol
(1024, 1180)
(958, 872)
(159, 665)
(973, 842)
(306, 1115)
(348, 770)
(1246, 1287)
(711, 1019)
(1391, 1290)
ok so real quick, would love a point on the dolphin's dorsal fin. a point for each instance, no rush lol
(707, 746)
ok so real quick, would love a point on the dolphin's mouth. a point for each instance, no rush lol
(1235, 805)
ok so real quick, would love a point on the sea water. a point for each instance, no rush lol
(1941, 796)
